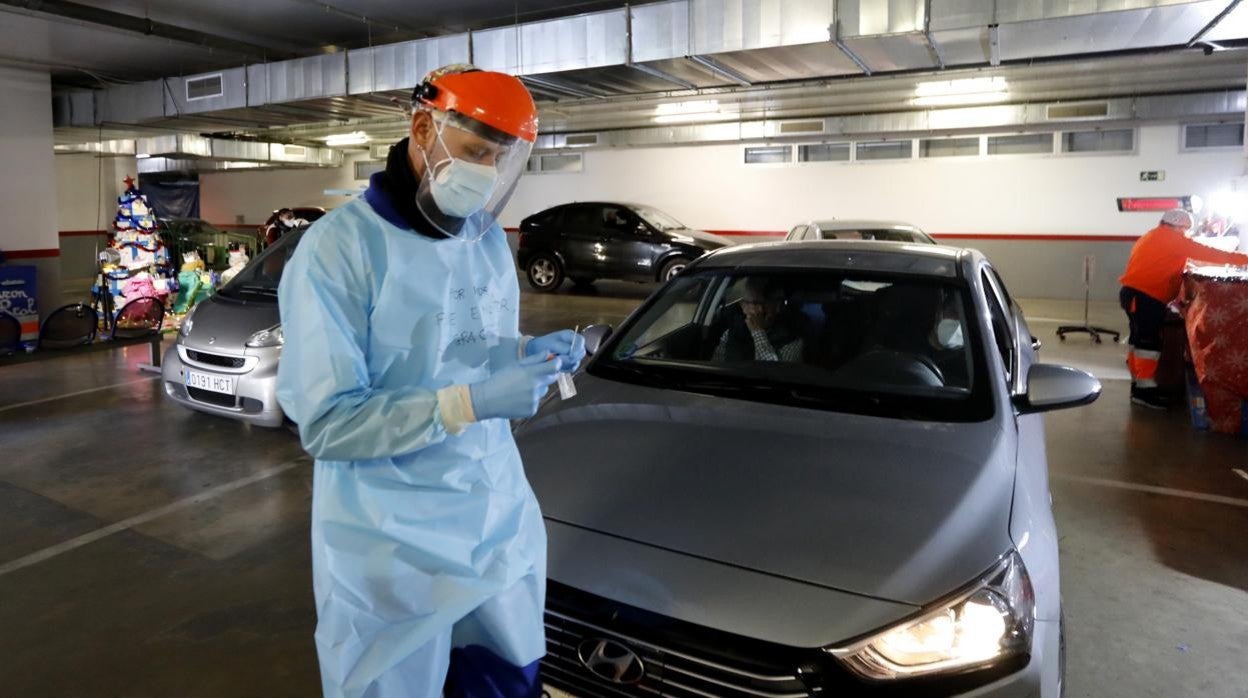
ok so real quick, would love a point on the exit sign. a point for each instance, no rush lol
(1153, 176)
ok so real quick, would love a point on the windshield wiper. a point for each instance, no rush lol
(263, 290)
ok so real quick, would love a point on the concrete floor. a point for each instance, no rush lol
(151, 551)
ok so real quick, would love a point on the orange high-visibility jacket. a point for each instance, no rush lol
(1157, 260)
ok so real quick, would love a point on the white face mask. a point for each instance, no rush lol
(949, 334)
(460, 188)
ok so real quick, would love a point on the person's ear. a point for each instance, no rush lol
(423, 129)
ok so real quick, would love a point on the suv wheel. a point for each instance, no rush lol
(672, 268)
(545, 273)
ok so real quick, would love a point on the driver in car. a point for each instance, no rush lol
(761, 331)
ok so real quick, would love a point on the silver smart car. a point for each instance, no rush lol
(225, 359)
(807, 469)
(834, 229)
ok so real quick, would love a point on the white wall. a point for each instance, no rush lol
(28, 194)
(87, 189)
(709, 187)
(254, 194)
(28, 232)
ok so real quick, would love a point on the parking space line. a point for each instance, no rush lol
(54, 398)
(1240, 473)
(140, 519)
(1151, 489)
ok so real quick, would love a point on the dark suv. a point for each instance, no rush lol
(590, 241)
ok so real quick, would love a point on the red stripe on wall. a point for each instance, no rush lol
(1039, 236)
(81, 233)
(31, 254)
(1057, 237)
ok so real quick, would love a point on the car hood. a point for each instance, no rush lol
(700, 239)
(896, 510)
(225, 326)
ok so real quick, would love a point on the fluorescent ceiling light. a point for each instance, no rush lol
(340, 139)
(700, 106)
(959, 100)
(142, 156)
(964, 86)
(691, 118)
(944, 93)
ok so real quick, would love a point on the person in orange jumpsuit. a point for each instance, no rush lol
(1152, 280)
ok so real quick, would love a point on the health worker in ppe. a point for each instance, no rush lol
(402, 364)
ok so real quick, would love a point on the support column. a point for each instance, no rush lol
(28, 232)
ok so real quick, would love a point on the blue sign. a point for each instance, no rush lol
(18, 297)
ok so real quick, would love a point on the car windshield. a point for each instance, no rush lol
(845, 341)
(884, 234)
(659, 220)
(259, 279)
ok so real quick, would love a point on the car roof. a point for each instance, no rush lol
(873, 256)
(860, 224)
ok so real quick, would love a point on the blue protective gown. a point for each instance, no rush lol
(428, 549)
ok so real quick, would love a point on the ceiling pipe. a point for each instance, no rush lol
(144, 26)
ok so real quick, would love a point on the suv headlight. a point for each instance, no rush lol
(271, 337)
(989, 620)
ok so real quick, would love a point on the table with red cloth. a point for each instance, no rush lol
(1215, 306)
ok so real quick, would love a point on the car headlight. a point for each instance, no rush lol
(271, 337)
(990, 620)
(188, 323)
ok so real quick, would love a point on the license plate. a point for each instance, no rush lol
(208, 381)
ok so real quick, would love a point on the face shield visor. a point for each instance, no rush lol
(470, 173)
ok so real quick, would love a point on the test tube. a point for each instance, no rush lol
(567, 388)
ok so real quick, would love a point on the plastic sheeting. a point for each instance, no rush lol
(172, 199)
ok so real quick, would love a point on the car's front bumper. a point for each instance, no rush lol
(255, 398)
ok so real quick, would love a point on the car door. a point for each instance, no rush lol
(584, 245)
(632, 246)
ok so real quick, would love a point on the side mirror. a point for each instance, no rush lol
(1052, 387)
(595, 335)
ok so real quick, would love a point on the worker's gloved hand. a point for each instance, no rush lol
(515, 391)
(566, 345)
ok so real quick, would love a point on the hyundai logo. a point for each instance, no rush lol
(611, 661)
(212, 340)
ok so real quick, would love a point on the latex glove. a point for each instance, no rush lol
(566, 345)
(515, 391)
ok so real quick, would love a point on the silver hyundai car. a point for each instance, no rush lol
(807, 469)
(225, 359)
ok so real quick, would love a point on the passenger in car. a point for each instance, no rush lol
(762, 331)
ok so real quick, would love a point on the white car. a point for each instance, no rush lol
(887, 231)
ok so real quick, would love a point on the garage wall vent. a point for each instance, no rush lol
(581, 139)
(205, 87)
(379, 152)
(788, 128)
(1084, 110)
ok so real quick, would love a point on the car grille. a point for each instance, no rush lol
(667, 672)
(211, 398)
(215, 359)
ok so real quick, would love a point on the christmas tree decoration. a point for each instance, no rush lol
(138, 265)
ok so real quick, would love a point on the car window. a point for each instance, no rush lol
(835, 340)
(1002, 326)
(884, 234)
(798, 233)
(659, 220)
(581, 219)
(617, 220)
(259, 279)
(1005, 293)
